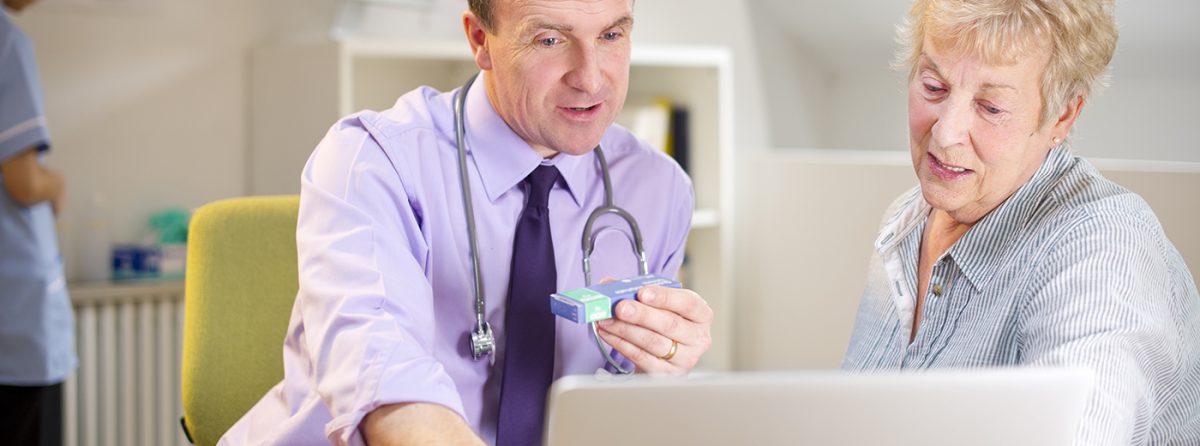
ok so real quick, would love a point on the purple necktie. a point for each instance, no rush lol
(529, 341)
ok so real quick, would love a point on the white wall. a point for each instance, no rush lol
(146, 105)
(868, 111)
(806, 224)
(147, 102)
(796, 81)
(1146, 113)
(1142, 116)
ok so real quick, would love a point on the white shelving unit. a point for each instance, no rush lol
(300, 89)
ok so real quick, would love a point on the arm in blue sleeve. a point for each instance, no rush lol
(22, 124)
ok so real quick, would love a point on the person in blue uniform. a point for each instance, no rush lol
(36, 326)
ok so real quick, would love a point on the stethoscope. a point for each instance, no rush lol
(483, 342)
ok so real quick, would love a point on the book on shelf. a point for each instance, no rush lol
(662, 124)
(680, 136)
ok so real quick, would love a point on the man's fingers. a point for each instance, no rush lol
(644, 360)
(662, 322)
(645, 339)
(687, 351)
(681, 301)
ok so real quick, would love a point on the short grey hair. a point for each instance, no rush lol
(1081, 36)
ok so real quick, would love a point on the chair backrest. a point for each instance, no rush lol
(240, 286)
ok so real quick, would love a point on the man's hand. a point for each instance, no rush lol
(416, 424)
(665, 331)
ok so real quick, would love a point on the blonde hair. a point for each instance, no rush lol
(1081, 36)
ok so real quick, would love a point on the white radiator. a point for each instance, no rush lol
(126, 389)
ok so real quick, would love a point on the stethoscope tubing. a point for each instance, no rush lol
(481, 325)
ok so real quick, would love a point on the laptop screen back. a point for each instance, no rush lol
(979, 407)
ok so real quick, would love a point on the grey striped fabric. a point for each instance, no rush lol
(1071, 270)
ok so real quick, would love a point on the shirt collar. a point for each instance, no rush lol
(981, 250)
(984, 246)
(502, 158)
(907, 216)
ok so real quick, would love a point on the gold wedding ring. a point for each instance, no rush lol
(670, 354)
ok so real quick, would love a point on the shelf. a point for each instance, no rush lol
(358, 47)
(705, 218)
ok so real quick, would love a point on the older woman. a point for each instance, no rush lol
(1013, 251)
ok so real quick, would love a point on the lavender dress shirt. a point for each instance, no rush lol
(385, 303)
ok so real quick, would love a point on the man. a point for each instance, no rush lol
(36, 327)
(377, 349)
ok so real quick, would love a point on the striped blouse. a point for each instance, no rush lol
(1071, 270)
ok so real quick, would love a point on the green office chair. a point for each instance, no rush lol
(240, 286)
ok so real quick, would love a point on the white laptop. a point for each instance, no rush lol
(1018, 406)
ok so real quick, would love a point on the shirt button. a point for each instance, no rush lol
(937, 289)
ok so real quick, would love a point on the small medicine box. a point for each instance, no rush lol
(596, 303)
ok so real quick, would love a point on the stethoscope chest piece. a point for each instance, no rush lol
(483, 342)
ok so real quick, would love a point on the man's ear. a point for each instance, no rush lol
(477, 36)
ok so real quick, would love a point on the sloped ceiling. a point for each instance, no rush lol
(1157, 36)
